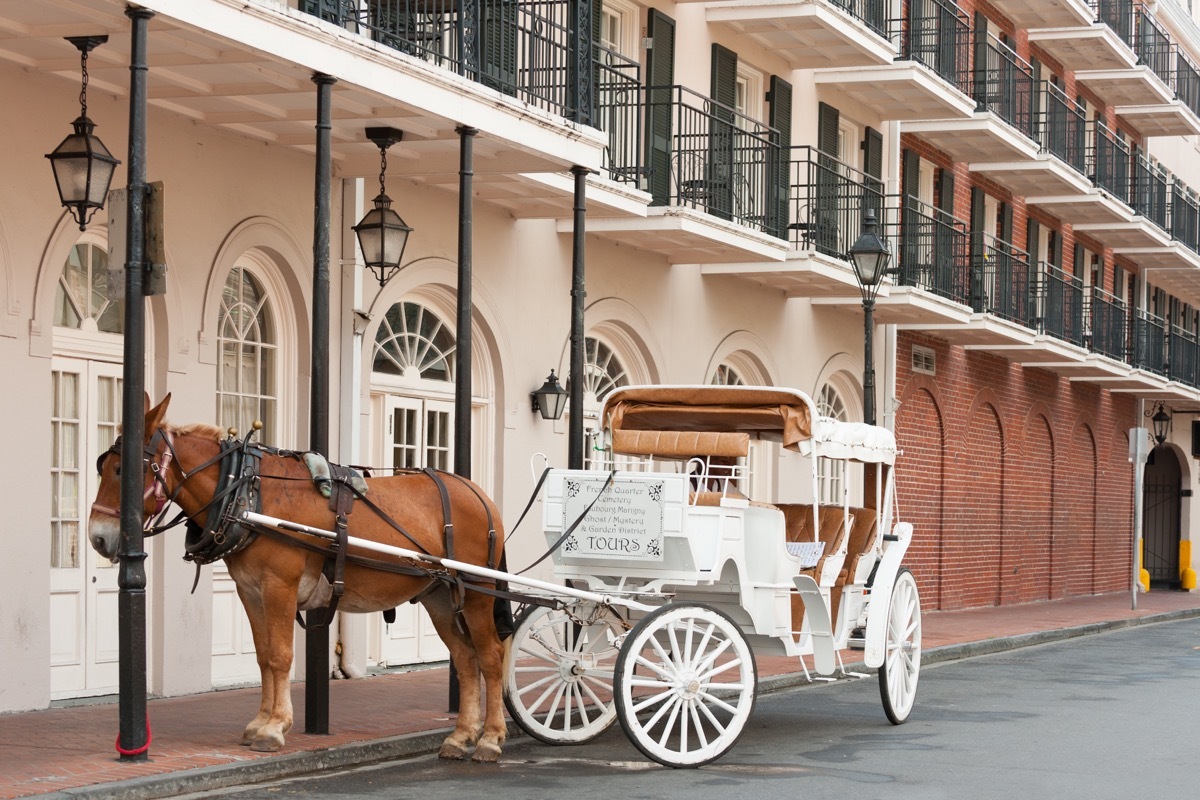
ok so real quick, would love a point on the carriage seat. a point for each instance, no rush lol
(862, 541)
(798, 519)
(681, 444)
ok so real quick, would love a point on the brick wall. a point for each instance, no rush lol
(1017, 481)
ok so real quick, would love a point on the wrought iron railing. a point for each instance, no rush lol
(1110, 163)
(1062, 128)
(1061, 305)
(1187, 81)
(1148, 343)
(1151, 190)
(828, 201)
(872, 12)
(1108, 317)
(707, 156)
(1001, 280)
(1118, 15)
(619, 114)
(531, 49)
(936, 33)
(1185, 215)
(1182, 352)
(1003, 84)
(1153, 46)
(934, 250)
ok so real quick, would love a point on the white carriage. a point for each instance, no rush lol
(678, 580)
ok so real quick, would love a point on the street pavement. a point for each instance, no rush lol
(69, 751)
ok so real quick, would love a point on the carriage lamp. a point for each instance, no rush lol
(381, 233)
(870, 255)
(1160, 418)
(83, 166)
(551, 399)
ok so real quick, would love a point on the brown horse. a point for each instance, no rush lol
(275, 577)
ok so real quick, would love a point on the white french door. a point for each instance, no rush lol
(85, 413)
(417, 433)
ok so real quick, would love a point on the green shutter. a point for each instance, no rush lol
(660, 77)
(910, 220)
(1033, 232)
(827, 129)
(781, 122)
(872, 194)
(1006, 223)
(722, 134)
(498, 45)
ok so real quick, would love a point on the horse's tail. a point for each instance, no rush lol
(506, 660)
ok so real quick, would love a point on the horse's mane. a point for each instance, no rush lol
(198, 429)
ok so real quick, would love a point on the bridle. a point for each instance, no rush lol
(157, 463)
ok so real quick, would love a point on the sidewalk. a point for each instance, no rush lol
(195, 739)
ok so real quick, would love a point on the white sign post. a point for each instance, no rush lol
(1139, 451)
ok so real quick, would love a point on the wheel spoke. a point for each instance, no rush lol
(541, 655)
(716, 701)
(670, 726)
(697, 723)
(524, 690)
(655, 668)
(652, 700)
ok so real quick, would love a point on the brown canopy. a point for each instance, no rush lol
(783, 414)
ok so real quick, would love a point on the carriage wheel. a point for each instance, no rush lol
(559, 687)
(685, 683)
(902, 661)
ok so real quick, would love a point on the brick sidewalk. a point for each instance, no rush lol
(70, 748)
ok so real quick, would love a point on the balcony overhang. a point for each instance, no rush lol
(1138, 86)
(1093, 207)
(1137, 233)
(903, 90)
(805, 273)
(1172, 256)
(1167, 119)
(1150, 386)
(906, 306)
(1089, 47)
(981, 331)
(237, 83)
(983, 137)
(686, 236)
(552, 195)
(1046, 13)
(1065, 359)
(1180, 278)
(1043, 175)
(808, 34)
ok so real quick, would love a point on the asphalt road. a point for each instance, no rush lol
(1115, 715)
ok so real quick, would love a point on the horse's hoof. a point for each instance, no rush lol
(486, 752)
(453, 751)
(266, 744)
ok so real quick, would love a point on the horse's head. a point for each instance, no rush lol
(104, 524)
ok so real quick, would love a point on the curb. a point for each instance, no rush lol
(292, 765)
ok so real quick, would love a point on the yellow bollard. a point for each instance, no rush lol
(1187, 575)
(1143, 573)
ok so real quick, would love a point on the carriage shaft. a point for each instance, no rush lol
(448, 563)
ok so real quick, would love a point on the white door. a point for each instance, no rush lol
(85, 414)
(417, 433)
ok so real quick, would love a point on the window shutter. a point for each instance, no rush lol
(946, 192)
(872, 147)
(498, 45)
(781, 121)
(910, 219)
(827, 129)
(723, 131)
(1006, 223)
(1033, 233)
(660, 77)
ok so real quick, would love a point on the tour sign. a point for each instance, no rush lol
(625, 522)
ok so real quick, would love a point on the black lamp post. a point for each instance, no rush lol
(381, 233)
(1161, 420)
(870, 255)
(551, 399)
(83, 166)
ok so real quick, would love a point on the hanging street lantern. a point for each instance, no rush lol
(382, 234)
(83, 166)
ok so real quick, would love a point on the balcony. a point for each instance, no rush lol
(1093, 46)
(1046, 13)
(1004, 125)
(932, 71)
(1059, 172)
(717, 184)
(1149, 195)
(812, 33)
(1157, 97)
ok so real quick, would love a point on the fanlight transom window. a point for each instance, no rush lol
(246, 380)
(413, 342)
(81, 300)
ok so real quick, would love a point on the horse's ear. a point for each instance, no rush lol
(156, 415)
(145, 403)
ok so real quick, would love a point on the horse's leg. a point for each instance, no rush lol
(269, 595)
(453, 633)
(252, 602)
(489, 655)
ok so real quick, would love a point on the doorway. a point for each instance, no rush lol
(1161, 518)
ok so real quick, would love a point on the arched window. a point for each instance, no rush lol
(602, 372)
(727, 376)
(246, 342)
(830, 473)
(81, 301)
(413, 342)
